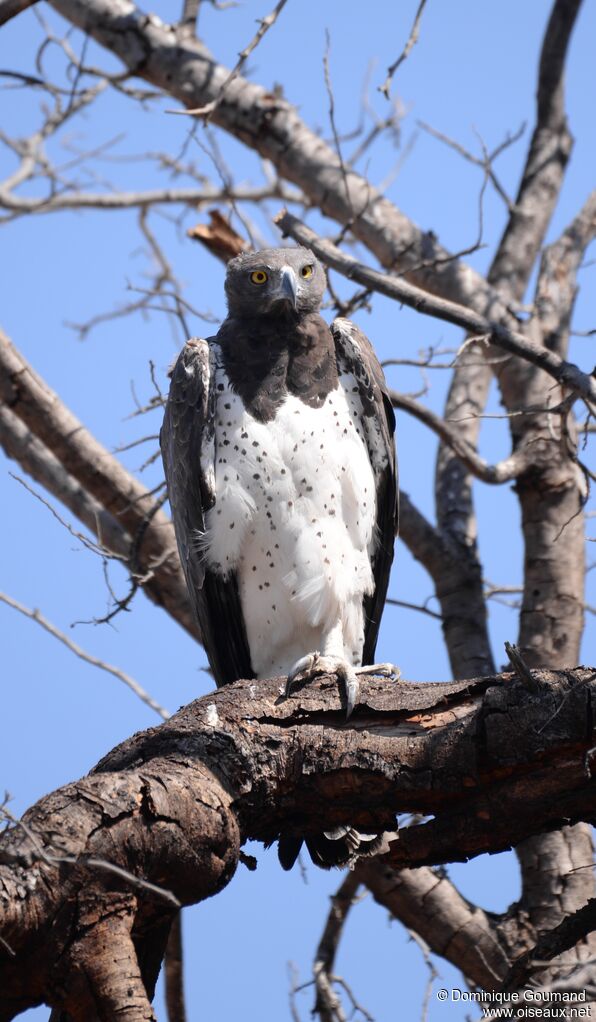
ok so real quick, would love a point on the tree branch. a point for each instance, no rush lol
(188, 72)
(327, 1005)
(68, 459)
(545, 164)
(10, 8)
(503, 472)
(411, 42)
(173, 804)
(556, 287)
(428, 902)
(55, 203)
(515, 343)
(35, 615)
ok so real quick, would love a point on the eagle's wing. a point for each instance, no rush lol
(355, 355)
(188, 451)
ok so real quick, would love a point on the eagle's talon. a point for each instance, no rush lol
(306, 665)
(352, 691)
(313, 664)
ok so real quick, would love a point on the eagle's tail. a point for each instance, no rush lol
(341, 846)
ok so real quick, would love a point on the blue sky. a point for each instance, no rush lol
(473, 71)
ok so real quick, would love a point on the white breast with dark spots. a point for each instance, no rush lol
(295, 518)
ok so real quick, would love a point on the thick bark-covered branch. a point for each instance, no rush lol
(491, 760)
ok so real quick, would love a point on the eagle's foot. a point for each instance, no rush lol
(381, 670)
(313, 664)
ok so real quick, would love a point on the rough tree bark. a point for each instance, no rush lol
(492, 760)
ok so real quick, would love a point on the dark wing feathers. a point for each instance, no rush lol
(187, 446)
(355, 354)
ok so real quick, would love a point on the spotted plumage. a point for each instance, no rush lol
(278, 449)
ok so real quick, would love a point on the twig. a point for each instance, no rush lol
(414, 606)
(88, 860)
(411, 42)
(336, 140)
(36, 616)
(487, 160)
(433, 972)
(87, 543)
(207, 111)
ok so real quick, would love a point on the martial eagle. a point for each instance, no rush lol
(280, 463)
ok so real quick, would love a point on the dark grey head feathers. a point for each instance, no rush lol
(275, 281)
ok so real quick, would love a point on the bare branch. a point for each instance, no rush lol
(25, 448)
(414, 606)
(327, 1005)
(411, 42)
(207, 111)
(504, 471)
(174, 974)
(501, 335)
(423, 540)
(487, 160)
(131, 200)
(133, 685)
(188, 23)
(557, 278)
(336, 139)
(450, 925)
(545, 165)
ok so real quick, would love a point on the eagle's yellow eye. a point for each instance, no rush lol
(259, 277)
(307, 270)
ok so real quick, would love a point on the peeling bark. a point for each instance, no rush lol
(492, 762)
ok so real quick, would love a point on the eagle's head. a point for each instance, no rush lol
(275, 281)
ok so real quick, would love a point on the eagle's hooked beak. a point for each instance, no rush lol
(289, 286)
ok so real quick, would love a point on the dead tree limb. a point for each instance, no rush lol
(491, 761)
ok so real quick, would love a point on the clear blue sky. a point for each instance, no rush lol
(473, 71)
